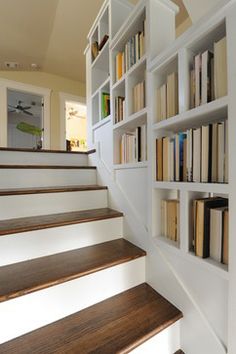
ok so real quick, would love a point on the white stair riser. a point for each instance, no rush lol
(165, 342)
(37, 158)
(27, 178)
(29, 245)
(17, 206)
(49, 305)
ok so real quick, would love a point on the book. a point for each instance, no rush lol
(202, 223)
(163, 102)
(172, 95)
(192, 89)
(166, 159)
(220, 68)
(206, 153)
(94, 50)
(197, 68)
(159, 159)
(190, 155)
(216, 233)
(197, 155)
(226, 162)
(170, 219)
(139, 97)
(159, 109)
(179, 156)
(206, 78)
(133, 146)
(214, 176)
(221, 152)
(119, 66)
(105, 105)
(225, 246)
(103, 42)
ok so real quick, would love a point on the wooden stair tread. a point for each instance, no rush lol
(48, 151)
(25, 224)
(59, 189)
(179, 352)
(116, 325)
(48, 167)
(40, 273)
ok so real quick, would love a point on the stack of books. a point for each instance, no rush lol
(197, 155)
(134, 50)
(210, 228)
(170, 219)
(133, 146)
(208, 78)
(167, 98)
(105, 105)
(119, 109)
(139, 101)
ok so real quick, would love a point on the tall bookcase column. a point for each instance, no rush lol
(161, 19)
(231, 55)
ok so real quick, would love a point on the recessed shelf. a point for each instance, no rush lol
(142, 164)
(101, 123)
(102, 60)
(132, 121)
(206, 113)
(105, 84)
(207, 264)
(167, 241)
(222, 188)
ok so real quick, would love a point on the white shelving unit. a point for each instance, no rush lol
(152, 12)
(163, 56)
(179, 61)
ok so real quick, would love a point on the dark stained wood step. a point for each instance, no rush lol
(116, 325)
(48, 151)
(26, 277)
(48, 167)
(18, 225)
(41, 190)
(179, 352)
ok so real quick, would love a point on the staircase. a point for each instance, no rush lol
(69, 281)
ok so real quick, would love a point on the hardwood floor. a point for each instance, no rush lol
(116, 325)
(12, 226)
(26, 277)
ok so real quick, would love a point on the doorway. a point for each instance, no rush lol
(24, 115)
(24, 120)
(73, 123)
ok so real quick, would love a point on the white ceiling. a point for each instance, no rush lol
(51, 33)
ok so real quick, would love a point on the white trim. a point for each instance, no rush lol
(64, 97)
(19, 86)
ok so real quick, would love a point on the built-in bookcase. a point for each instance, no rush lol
(131, 50)
(108, 22)
(181, 60)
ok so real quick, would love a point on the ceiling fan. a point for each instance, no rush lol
(19, 108)
(72, 113)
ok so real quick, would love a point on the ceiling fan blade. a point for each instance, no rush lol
(13, 111)
(9, 105)
(26, 112)
(27, 107)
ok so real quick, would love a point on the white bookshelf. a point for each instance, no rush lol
(178, 58)
(163, 56)
(150, 11)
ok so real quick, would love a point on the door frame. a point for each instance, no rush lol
(26, 88)
(64, 97)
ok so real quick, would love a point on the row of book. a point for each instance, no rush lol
(133, 146)
(139, 101)
(105, 105)
(170, 219)
(208, 78)
(119, 109)
(197, 155)
(210, 228)
(167, 98)
(134, 50)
